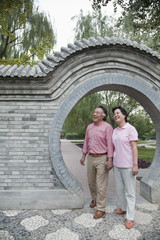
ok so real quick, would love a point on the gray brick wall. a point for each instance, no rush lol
(32, 113)
(24, 142)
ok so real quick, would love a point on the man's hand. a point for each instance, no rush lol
(82, 160)
(109, 164)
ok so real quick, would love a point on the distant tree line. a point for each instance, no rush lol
(81, 115)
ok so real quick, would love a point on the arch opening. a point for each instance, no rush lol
(138, 90)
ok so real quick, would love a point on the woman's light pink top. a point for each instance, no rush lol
(123, 154)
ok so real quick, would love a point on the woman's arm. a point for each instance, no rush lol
(135, 157)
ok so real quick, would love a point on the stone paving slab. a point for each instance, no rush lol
(78, 224)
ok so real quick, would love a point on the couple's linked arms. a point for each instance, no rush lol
(109, 163)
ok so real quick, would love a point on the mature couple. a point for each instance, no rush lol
(103, 144)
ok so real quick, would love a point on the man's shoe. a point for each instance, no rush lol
(93, 204)
(129, 224)
(120, 212)
(98, 214)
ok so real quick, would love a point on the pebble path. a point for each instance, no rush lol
(79, 224)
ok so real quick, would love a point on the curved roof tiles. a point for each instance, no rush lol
(48, 65)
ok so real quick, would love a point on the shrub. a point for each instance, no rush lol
(143, 163)
(73, 136)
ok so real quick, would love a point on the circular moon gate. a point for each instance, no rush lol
(35, 102)
(118, 69)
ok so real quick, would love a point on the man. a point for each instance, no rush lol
(98, 146)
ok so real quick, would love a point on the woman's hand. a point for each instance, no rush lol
(135, 170)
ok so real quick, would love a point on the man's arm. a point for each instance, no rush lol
(85, 149)
(82, 160)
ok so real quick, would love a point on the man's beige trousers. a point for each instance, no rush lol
(98, 179)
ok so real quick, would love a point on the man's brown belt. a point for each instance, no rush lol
(97, 154)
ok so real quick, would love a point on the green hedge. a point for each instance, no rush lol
(72, 136)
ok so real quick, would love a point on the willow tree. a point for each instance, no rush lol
(23, 29)
(140, 20)
(93, 25)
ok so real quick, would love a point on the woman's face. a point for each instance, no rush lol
(119, 117)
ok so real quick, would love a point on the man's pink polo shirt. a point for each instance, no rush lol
(122, 137)
(98, 139)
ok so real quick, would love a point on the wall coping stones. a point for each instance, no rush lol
(43, 68)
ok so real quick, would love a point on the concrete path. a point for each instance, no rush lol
(78, 224)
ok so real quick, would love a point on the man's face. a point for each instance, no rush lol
(98, 115)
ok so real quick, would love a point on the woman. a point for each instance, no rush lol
(125, 161)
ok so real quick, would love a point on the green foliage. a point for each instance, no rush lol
(40, 36)
(25, 33)
(13, 17)
(10, 8)
(27, 59)
(81, 115)
(137, 117)
(144, 126)
(140, 20)
(112, 99)
(73, 136)
(97, 4)
(146, 153)
(93, 25)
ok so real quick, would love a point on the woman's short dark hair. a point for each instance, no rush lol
(122, 110)
(104, 112)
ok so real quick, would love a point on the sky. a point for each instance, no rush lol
(61, 12)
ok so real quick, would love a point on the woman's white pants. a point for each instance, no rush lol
(126, 190)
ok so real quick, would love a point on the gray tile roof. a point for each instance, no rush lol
(43, 68)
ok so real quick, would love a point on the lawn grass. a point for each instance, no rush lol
(146, 153)
(147, 143)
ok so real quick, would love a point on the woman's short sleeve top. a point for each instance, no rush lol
(122, 137)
